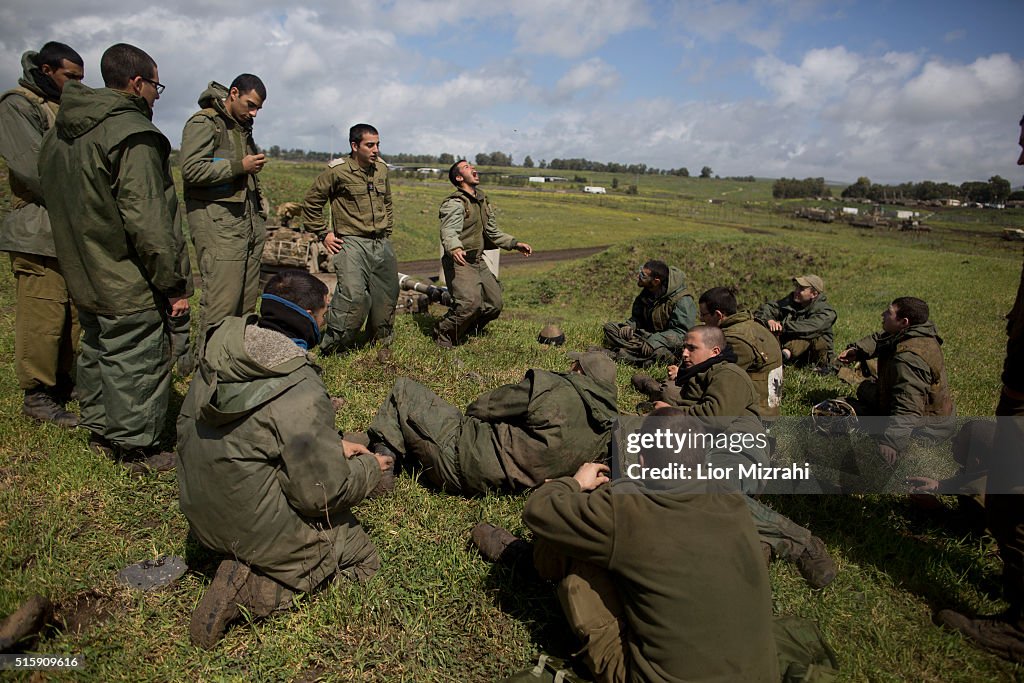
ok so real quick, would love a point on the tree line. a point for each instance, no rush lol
(995, 191)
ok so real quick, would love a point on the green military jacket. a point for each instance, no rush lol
(107, 182)
(912, 379)
(213, 145)
(545, 426)
(688, 567)
(25, 116)
(1013, 366)
(360, 200)
(813, 322)
(468, 223)
(666, 318)
(758, 352)
(261, 470)
(719, 389)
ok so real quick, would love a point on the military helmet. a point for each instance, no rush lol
(834, 416)
(551, 334)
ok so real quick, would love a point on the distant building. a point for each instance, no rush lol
(850, 211)
(537, 179)
(428, 171)
(594, 189)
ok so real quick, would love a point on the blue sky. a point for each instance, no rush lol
(891, 90)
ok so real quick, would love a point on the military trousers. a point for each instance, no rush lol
(455, 451)
(632, 350)
(1006, 511)
(816, 352)
(367, 290)
(477, 297)
(124, 376)
(46, 327)
(229, 239)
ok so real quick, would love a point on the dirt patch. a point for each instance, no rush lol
(83, 610)
(755, 231)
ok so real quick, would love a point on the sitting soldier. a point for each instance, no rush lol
(803, 323)
(661, 315)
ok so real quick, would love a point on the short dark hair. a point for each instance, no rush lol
(659, 269)
(454, 171)
(677, 421)
(719, 299)
(247, 83)
(356, 132)
(123, 62)
(710, 335)
(299, 287)
(53, 53)
(913, 309)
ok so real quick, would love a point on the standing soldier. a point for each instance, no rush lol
(107, 183)
(468, 227)
(362, 218)
(219, 167)
(46, 325)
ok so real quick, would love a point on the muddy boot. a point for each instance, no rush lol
(646, 385)
(766, 550)
(100, 445)
(142, 461)
(263, 596)
(815, 565)
(219, 606)
(29, 619)
(499, 545)
(42, 407)
(999, 634)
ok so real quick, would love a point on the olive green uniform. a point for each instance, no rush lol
(46, 328)
(366, 267)
(468, 223)
(757, 351)
(720, 390)
(511, 438)
(663, 586)
(806, 330)
(225, 210)
(107, 184)
(911, 383)
(659, 321)
(262, 474)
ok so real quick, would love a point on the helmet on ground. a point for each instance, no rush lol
(834, 416)
(551, 334)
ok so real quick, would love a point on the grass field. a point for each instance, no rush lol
(436, 612)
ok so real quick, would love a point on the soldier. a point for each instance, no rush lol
(511, 438)
(264, 477)
(1004, 633)
(468, 227)
(757, 351)
(46, 323)
(803, 322)
(359, 193)
(712, 386)
(661, 315)
(220, 163)
(107, 183)
(910, 381)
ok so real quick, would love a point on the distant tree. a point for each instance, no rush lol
(976, 191)
(859, 190)
(528, 162)
(1000, 188)
(615, 183)
(791, 188)
(446, 159)
(579, 179)
(543, 164)
(632, 189)
(275, 151)
(1016, 196)
(706, 172)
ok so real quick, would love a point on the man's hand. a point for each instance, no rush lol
(923, 485)
(848, 356)
(626, 332)
(179, 305)
(524, 248)
(775, 326)
(673, 372)
(888, 453)
(351, 448)
(459, 256)
(253, 163)
(646, 349)
(661, 404)
(332, 243)
(386, 462)
(590, 475)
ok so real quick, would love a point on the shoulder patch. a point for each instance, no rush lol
(335, 162)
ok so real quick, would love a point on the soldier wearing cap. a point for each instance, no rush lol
(509, 439)
(803, 322)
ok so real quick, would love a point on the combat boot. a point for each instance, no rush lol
(387, 477)
(815, 565)
(498, 545)
(42, 407)
(219, 606)
(1000, 634)
(140, 461)
(646, 385)
(25, 622)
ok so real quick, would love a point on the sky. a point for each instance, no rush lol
(895, 90)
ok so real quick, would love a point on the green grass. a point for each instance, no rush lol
(436, 612)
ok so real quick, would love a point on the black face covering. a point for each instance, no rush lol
(290, 320)
(46, 84)
(726, 356)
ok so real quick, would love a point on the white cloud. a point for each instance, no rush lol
(594, 73)
(570, 29)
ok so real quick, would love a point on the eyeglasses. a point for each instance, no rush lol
(644, 276)
(160, 87)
